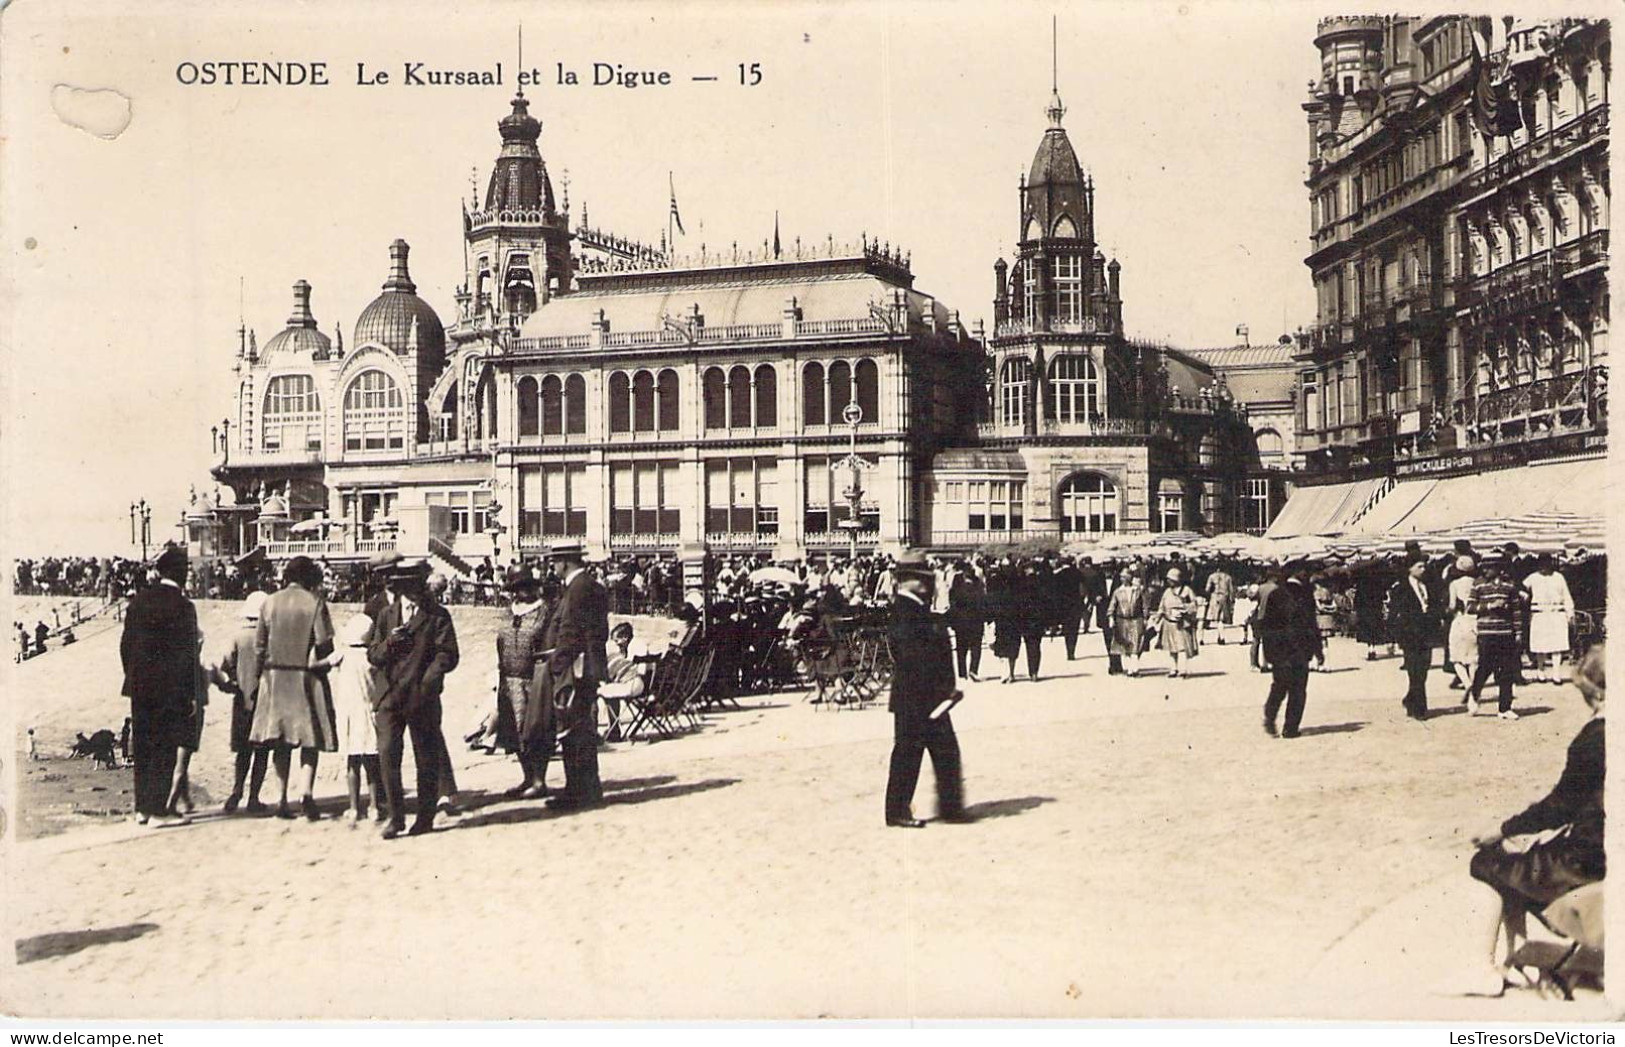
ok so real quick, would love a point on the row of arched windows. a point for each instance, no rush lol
(1073, 393)
(826, 392)
(374, 417)
(554, 406)
(643, 402)
(742, 398)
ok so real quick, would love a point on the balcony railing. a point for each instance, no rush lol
(840, 539)
(1583, 253)
(1569, 403)
(1592, 124)
(329, 547)
(720, 335)
(644, 541)
(741, 539)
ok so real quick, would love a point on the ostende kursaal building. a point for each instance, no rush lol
(596, 387)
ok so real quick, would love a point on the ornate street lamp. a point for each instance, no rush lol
(853, 416)
(141, 525)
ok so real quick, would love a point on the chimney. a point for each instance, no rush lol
(399, 279)
(1001, 292)
(301, 307)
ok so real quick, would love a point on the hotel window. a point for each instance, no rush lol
(1015, 379)
(1170, 511)
(714, 392)
(741, 496)
(866, 379)
(374, 414)
(293, 414)
(643, 402)
(1068, 273)
(1258, 504)
(469, 509)
(812, 395)
(954, 492)
(553, 500)
(447, 421)
(528, 425)
(1089, 504)
(575, 404)
(1029, 290)
(840, 390)
(552, 406)
(1074, 389)
(620, 403)
(996, 505)
(767, 397)
(643, 497)
(667, 396)
(826, 502)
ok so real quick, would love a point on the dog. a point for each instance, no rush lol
(99, 747)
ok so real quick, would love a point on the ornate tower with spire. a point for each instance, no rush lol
(518, 241)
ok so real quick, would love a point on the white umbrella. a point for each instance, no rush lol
(775, 575)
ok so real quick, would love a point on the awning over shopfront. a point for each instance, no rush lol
(1421, 506)
(1326, 509)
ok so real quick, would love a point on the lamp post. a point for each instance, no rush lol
(853, 416)
(141, 525)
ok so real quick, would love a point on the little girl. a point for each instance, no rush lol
(352, 682)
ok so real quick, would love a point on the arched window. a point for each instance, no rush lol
(1065, 229)
(374, 414)
(767, 397)
(643, 402)
(528, 403)
(1030, 231)
(739, 398)
(485, 404)
(552, 406)
(840, 389)
(1270, 444)
(447, 426)
(575, 404)
(866, 376)
(1074, 388)
(620, 403)
(1015, 379)
(812, 395)
(293, 414)
(714, 389)
(1089, 504)
(668, 396)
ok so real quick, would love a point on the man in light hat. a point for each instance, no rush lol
(159, 654)
(922, 691)
(577, 636)
(414, 646)
(238, 674)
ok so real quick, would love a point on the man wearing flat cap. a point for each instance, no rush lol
(413, 644)
(160, 657)
(577, 638)
(922, 690)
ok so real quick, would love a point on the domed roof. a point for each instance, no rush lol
(398, 319)
(300, 337)
(519, 179)
(1055, 163)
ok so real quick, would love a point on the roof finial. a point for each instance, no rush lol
(520, 65)
(1056, 110)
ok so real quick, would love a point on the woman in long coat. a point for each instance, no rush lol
(1002, 605)
(294, 709)
(1126, 614)
(524, 721)
(1177, 614)
(1550, 608)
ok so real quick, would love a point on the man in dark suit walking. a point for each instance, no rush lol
(159, 652)
(1066, 587)
(1290, 640)
(920, 699)
(1412, 623)
(414, 645)
(578, 638)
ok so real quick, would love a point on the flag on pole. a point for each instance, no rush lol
(675, 217)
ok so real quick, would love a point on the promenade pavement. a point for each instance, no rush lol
(1144, 850)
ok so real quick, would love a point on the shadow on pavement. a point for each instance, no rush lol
(1007, 808)
(1333, 728)
(66, 943)
(536, 810)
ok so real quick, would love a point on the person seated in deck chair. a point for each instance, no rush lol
(1555, 846)
(627, 676)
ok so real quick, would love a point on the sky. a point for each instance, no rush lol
(130, 259)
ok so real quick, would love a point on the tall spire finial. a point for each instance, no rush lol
(1056, 110)
(520, 64)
